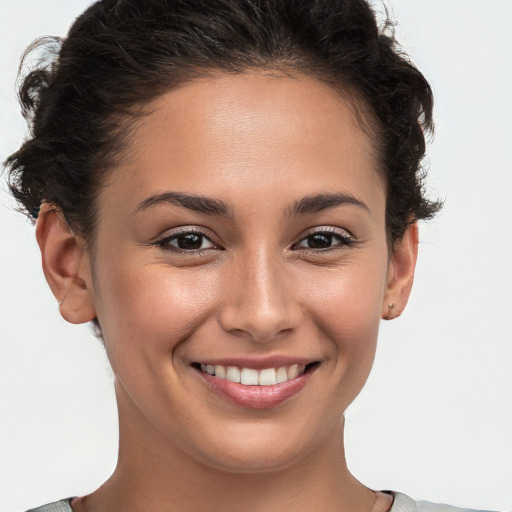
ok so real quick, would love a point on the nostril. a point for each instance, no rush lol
(260, 323)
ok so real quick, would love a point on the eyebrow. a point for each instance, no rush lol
(199, 204)
(320, 202)
(206, 205)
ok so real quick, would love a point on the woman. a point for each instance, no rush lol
(231, 197)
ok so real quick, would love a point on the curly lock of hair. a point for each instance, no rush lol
(121, 54)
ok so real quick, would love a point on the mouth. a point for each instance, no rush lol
(254, 377)
(255, 388)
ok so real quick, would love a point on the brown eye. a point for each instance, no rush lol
(323, 240)
(319, 241)
(190, 241)
(187, 241)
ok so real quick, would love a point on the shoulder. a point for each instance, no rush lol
(403, 503)
(57, 506)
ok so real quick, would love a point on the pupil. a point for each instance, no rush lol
(320, 241)
(190, 241)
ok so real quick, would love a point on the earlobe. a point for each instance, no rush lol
(401, 273)
(66, 266)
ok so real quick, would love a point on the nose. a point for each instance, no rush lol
(261, 300)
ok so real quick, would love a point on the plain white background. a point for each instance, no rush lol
(435, 419)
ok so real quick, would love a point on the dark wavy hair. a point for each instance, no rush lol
(121, 54)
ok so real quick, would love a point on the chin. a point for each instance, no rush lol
(261, 449)
(254, 461)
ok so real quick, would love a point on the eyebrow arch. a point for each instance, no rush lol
(195, 203)
(209, 206)
(320, 202)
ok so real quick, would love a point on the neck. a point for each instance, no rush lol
(155, 476)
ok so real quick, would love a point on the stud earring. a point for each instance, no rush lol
(390, 315)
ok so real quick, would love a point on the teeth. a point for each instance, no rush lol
(252, 377)
(220, 371)
(233, 374)
(293, 371)
(281, 375)
(267, 377)
(249, 377)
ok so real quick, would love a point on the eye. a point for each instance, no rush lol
(326, 239)
(187, 241)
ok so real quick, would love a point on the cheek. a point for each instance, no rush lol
(346, 307)
(347, 302)
(153, 310)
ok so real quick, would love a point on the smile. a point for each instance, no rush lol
(252, 377)
(256, 388)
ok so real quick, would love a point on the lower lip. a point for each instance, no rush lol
(255, 397)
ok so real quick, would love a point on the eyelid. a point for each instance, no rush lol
(348, 240)
(345, 239)
(163, 241)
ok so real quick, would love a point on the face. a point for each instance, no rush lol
(244, 235)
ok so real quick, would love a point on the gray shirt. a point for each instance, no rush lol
(401, 503)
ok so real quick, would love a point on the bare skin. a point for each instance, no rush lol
(288, 261)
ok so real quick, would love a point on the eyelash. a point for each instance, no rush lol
(344, 239)
(165, 243)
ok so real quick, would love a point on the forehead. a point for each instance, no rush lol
(250, 134)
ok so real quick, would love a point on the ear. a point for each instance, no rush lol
(401, 273)
(66, 265)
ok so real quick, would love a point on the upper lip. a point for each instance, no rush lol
(259, 363)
